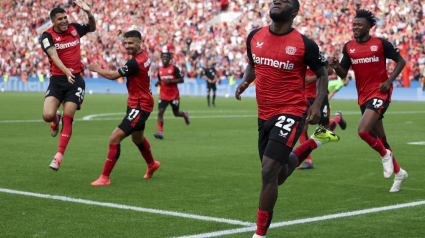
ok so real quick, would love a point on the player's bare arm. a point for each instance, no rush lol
(331, 94)
(314, 113)
(208, 80)
(158, 82)
(179, 80)
(310, 79)
(87, 9)
(58, 62)
(248, 78)
(385, 86)
(111, 75)
(341, 72)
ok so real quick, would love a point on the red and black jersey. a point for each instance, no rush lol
(169, 91)
(368, 60)
(138, 72)
(67, 45)
(280, 62)
(310, 89)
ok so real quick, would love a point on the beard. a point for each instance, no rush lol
(283, 16)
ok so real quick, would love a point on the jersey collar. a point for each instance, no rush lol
(286, 33)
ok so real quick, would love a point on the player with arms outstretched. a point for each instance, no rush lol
(367, 56)
(139, 106)
(61, 43)
(278, 59)
(168, 78)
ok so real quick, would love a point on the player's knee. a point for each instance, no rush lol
(114, 139)
(269, 174)
(49, 117)
(137, 141)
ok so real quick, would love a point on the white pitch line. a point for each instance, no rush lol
(307, 220)
(91, 117)
(119, 206)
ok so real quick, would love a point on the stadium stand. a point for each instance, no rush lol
(190, 30)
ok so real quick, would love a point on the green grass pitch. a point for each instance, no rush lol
(209, 168)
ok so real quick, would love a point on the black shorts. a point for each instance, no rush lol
(211, 86)
(378, 105)
(134, 120)
(64, 91)
(284, 129)
(324, 109)
(175, 104)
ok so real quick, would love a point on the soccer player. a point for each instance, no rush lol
(210, 74)
(310, 89)
(335, 85)
(367, 56)
(278, 59)
(61, 43)
(139, 106)
(168, 77)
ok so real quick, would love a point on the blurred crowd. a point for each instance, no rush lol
(184, 28)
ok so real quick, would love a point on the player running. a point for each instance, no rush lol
(139, 106)
(310, 89)
(278, 59)
(367, 56)
(168, 77)
(61, 43)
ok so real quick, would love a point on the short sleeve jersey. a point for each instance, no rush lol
(280, 62)
(368, 60)
(138, 72)
(67, 46)
(169, 91)
(210, 73)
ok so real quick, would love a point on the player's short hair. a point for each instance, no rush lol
(296, 4)
(367, 15)
(133, 33)
(56, 11)
(166, 53)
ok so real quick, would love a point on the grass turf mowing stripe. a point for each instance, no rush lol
(91, 117)
(306, 220)
(119, 206)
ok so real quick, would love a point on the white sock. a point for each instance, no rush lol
(318, 142)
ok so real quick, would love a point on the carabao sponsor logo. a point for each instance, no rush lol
(365, 60)
(273, 63)
(67, 45)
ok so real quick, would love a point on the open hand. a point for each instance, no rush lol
(69, 75)
(83, 6)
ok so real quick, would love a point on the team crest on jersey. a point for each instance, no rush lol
(290, 50)
(169, 71)
(374, 48)
(74, 32)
